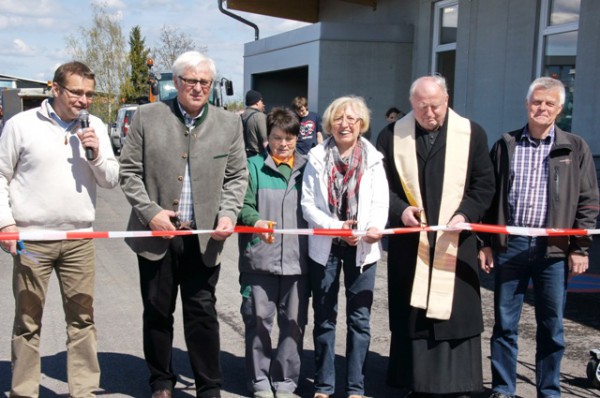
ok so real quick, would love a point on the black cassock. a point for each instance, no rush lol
(430, 355)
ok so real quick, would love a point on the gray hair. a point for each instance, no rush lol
(435, 78)
(193, 59)
(547, 83)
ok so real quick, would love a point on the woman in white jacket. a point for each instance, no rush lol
(344, 187)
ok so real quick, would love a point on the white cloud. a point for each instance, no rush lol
(155, 2)
(287, 24)
(45, 22)
(116, 16)
(16, 23)
(59, 54)
(34, 31)
(169, 5)
(18, 49)
(7, 22)
(29, 7)
(23, 49)
(118, 4)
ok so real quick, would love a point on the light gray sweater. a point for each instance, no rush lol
(46, 183)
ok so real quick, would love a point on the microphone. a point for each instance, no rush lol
(84, 122)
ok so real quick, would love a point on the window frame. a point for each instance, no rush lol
(546, 30)
(436, 46)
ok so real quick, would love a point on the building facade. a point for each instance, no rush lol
(488, 50)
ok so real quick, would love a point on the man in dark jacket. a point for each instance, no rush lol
(545, 178)
(254, 121)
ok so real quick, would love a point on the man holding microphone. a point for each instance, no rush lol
(47, 183)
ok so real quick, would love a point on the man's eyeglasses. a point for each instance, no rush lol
(192, 82)
(78, 93)
(351, 120)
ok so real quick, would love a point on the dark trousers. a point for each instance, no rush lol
(182, 268)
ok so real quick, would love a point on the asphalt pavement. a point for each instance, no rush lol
(119, 314)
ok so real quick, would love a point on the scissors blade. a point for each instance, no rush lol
(21, 251)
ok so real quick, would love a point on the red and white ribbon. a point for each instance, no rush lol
(486, 228)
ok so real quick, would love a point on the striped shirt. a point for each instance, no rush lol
(528, 189)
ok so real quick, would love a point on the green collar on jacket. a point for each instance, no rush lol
(174, 105)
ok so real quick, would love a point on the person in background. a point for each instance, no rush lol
(310, 126)
(544, 165)
(274, 269)
(393, 114)
(1, 118)
(254, 122)
(183, 167)
(344, 188)
(48, 184)
(439, 173)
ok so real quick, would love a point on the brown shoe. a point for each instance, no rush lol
(161, 394)
(320, 395)
(355, 396)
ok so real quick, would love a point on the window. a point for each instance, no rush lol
(445, 28)
(558, 48)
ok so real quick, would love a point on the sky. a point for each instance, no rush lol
(33, 32)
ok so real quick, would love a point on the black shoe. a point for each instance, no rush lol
(501, 395)
(162, 394)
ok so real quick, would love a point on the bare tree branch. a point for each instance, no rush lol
(172, 43)
(102, 48)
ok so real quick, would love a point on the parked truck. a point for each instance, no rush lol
(22, 99)
(162, 87)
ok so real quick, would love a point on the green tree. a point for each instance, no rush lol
(135, 85)
(102, 48)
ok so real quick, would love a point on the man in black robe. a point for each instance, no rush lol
(439, 173)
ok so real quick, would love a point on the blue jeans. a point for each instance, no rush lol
(325, 284)
(525, 259)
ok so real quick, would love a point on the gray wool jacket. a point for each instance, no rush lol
(153, 163)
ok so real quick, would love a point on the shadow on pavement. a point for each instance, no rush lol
(375, 385)
(234, 374)
(582, 307)
(121, 374)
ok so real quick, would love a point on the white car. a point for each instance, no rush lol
(118, 133)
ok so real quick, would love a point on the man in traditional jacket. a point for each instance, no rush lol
(183, 167)
(439, 173)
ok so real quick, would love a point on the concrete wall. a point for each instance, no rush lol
(354, 64)
(494, 59)
(342, 59)
(374, 71)
(298, 48)
(387, 12)
(495, 62)
(378, 52)
(586, 107)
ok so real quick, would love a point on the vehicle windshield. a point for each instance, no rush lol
(166, 88)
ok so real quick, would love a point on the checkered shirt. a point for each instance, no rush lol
(186, 200)
(528, 189)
